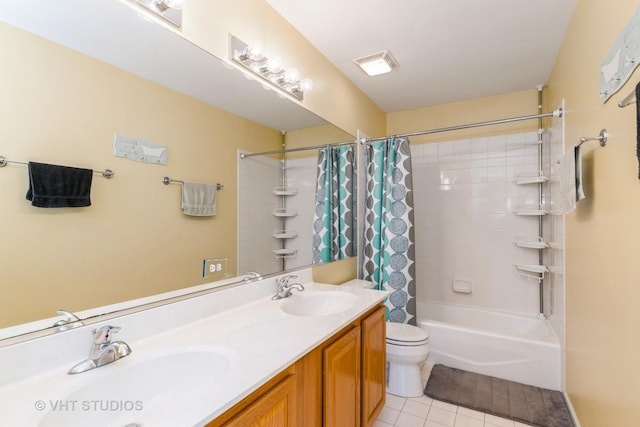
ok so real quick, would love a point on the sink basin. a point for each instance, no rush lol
(147, 392)
(324, 303)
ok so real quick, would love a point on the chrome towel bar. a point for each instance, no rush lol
(166, 181)
(107, 173)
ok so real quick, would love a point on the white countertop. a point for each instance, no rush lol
(257, 339)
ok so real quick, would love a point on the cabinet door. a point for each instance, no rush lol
(275, 408)
(374, 365)
(341, 391)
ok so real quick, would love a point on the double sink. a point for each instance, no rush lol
(153, 387)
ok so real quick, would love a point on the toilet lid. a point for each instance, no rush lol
(403, 334)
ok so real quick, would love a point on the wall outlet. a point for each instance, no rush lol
(215, 268)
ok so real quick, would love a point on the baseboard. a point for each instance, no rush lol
(574, 417)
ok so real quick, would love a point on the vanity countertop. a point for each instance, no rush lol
(243, 347)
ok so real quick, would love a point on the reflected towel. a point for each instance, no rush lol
(571, 190)
(199, 199)
(52, 186)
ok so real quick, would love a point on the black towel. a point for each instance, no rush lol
(638, 126)
(52, 186)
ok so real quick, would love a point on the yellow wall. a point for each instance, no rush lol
(514, 104)
(334, 98)
(64, 108)
(311, 137)
(602, 268)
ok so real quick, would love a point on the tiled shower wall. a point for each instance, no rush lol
(257, 178)
(465, 225)
(301, 175)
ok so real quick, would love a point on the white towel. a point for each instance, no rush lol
(578, 159)
(571, 190)
(199, 199)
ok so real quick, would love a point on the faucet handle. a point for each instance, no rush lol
(284, 280)
(103, 335)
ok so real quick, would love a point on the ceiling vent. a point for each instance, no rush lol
(378, 63)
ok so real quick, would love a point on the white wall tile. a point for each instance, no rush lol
(466, 225)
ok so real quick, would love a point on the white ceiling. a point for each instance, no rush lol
(447, 50)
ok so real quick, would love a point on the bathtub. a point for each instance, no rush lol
(516, 348)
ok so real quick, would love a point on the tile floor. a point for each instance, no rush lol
(426, 412)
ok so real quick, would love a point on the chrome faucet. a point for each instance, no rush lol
(71, 321)
(255, 274)
(284, 288)
(102, 351)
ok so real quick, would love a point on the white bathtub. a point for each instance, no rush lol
(516, 348)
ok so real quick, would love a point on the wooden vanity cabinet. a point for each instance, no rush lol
(272, 405)
(339, 383)
(374, 365)
(341, 380)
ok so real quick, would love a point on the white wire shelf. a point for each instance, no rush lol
(531, 271)
(284, 213)
(524, 180)
(284, 253)
(531, 243)
(284, 234)
(531, 212)
(283, 191)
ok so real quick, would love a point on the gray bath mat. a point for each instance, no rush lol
(507, 399)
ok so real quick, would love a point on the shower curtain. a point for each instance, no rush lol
(334, 222)
(389, 254)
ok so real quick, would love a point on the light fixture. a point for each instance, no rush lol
(378, 63)
(169, 10)
(268, 69)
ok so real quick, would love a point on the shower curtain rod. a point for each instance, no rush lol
(555, 113)
(289, 150)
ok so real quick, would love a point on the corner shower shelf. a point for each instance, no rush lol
(282, 191)
(531, 243)
(523, 180)
(531, 271)
(531, 212)
(283, 234)
(284, 253)
(284, 213)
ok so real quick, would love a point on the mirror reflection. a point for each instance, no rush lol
(283, 206)
(65, 106)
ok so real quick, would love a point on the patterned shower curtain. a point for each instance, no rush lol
(334, 222)
(389, 254)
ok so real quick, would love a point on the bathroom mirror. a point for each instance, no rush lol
(70, 84)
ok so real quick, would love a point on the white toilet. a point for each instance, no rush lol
(407, 349)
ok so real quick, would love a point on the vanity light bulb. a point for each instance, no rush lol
(175, 4)
(255, 51)
(274, 64)
(306, 85)
(292, 76)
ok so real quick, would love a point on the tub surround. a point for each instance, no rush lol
(241, 324)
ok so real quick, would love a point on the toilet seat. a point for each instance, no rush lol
(405, 335)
